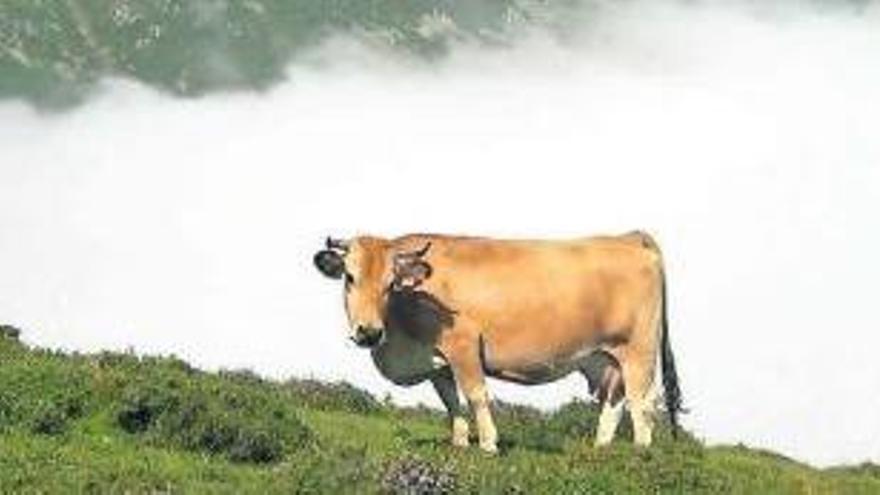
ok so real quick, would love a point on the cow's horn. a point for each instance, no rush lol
(417, 253)
(338, 244)
(424, 250)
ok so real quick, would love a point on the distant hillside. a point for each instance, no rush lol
(120, 423)
(52, 52)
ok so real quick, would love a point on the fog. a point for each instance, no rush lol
(745, 138)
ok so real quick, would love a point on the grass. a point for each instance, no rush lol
(120, 423)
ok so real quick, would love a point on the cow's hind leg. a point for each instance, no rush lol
(638, 361)
(641, 404)
(605, 380)
(444, 384)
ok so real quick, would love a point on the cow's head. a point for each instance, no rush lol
(371, 269)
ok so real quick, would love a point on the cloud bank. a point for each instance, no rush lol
(744, 137)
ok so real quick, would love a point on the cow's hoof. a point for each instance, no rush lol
(460, 443)
(491, 448)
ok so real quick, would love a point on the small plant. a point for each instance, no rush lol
(49, 420)
(414, 476)
(9, 332)
(259, 447)
(142, 406)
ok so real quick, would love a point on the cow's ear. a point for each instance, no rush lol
(410, 273)
(330, 263)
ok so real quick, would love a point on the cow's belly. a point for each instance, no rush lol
(536, 364)
(532, 375)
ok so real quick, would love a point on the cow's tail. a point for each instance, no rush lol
(671, 390)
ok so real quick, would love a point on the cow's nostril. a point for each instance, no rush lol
(367, 337)
(372, 338)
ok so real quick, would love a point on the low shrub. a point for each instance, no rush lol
(142, 405)
(245, 424)
(525, 427)
(9, 332)
(576, 419)
(42, 395)
(113, 359)
(864, 469)
(243, 376)
(418, 411)
(336, 396)
(49, 420)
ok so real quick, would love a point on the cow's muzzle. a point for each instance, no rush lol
(368, 337)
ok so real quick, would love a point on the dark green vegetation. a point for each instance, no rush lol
(116, 422)
(53, 51)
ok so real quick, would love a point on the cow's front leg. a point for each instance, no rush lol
(478, 398)
(462, 353)
(444, 384)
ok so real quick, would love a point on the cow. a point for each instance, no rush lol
(455, 310)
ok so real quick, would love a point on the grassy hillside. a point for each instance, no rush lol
(113, 423)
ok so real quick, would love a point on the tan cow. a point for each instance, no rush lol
(455, 310)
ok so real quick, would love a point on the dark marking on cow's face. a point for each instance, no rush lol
(418, 313)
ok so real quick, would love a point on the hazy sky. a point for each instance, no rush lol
(747, 141)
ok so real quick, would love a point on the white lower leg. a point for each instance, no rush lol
(486, 428)
(479, 401)
(608, 421)
(445, 386)
(643, 423)
(460, 431)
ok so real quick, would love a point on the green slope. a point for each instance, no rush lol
(114, 423)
